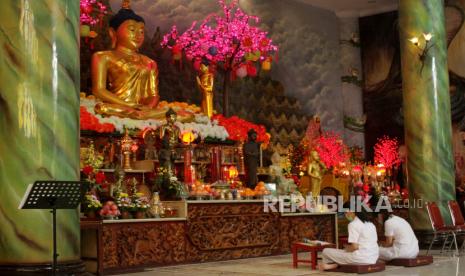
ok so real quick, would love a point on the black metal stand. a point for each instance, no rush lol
(53, 195)
(54, 226)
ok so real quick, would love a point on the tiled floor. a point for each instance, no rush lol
(282, 266)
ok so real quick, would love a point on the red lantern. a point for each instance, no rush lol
(251, 70)
(241, 72)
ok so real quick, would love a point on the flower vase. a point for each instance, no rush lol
(91, 214)
(139, 215)
(125, 215)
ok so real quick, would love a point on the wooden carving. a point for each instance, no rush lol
(212, 232)
(230, 231)
(143, 244)
(295, 229)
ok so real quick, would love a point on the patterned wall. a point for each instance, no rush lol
(304, 81)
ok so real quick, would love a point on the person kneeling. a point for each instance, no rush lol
(363, 244)
(401, 241)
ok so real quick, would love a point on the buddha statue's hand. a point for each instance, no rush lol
(137, 106)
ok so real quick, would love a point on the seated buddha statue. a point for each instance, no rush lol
(124, 81)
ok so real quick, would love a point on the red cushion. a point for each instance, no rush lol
(359, 268)
(418, 261)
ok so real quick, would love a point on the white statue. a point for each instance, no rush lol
(285, 185)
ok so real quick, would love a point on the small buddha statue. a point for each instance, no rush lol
(205, 83)
(316, 170)
(123, 80)
(251, 158)
(150, 139)
(119, 186)
(169, 136)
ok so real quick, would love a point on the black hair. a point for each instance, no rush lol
(123, 15)
(363, 215)
(385, 213)
(251, 131)
(170, 112)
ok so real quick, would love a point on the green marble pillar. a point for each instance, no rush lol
(427, 118)
(39, 124)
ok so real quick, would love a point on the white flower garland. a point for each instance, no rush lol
(202, 125)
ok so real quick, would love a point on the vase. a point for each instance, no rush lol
(139, 215)
(91, 214)
(125, 215)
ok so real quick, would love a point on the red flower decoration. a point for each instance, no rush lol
(89, 122)
(100, 177)
(87, 170)
(238, 128)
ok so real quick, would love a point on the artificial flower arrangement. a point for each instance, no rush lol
(229, 41)
(140, 202)
(168, 185)
(94, 176)
(124, 202)
(91, 203)
(201, 126)
(238, 128)
(218, 128)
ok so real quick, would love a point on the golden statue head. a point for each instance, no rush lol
(127, 29)
(314, 155)
(316, 119)
(171, 116)
(203, 68)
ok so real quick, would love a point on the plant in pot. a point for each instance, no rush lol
(91, 171)
(91, 206)
(168, 185)
(140, 205)
(125, 205)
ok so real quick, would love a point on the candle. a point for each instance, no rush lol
(261, 156)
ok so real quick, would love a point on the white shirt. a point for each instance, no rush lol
(405, 240)
(364, 234)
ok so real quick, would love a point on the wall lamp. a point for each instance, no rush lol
(423, 50)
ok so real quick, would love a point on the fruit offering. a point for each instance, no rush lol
(109, 210)
(199, 189)
(260, 189)
(248, 193)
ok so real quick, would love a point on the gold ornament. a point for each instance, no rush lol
(126, 144)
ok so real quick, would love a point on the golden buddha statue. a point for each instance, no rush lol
(316, 170)
(125, 81)
(205, 83)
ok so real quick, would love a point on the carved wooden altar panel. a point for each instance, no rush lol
(316, 227)
(128, 245)
(230, 231)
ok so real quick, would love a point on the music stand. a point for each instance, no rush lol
(50, 194)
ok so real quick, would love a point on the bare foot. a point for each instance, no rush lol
(323, 266)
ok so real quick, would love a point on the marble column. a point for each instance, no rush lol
(39, 126)
(427, 117)
(351, 68)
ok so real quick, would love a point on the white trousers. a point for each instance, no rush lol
(342, 257)
(389, 253)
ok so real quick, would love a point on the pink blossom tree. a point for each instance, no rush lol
(227, 42)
